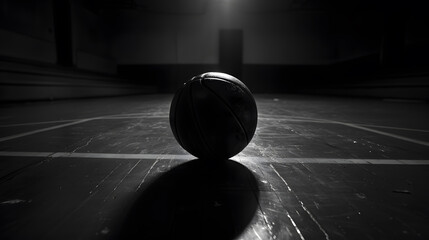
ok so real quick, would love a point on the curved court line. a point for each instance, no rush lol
(236, 158)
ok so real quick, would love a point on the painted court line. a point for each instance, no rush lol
(361, 127)
(44, 129)
(137, 116)
(386, 134)
(318, 120)
(37, 123)
(261, 116)
(395, 128)
(118, 116)
(237, 158)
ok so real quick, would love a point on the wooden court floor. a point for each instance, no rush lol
(317, 168)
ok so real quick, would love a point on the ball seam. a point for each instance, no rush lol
(229, 109)
(197, 122)
(247, 91)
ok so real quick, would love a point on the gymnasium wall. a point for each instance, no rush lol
(135, 46)
(28, 54)
(27, 31)
(91, 41)
(170, 48)
(285, 49)
(193, 38)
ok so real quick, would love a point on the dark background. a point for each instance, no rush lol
(56, 49)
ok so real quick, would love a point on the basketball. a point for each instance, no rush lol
(213, 116)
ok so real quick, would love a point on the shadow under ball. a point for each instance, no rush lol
(213, 116)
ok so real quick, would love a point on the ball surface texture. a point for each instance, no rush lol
(213, 116)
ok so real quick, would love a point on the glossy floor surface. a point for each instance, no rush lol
(317, 168)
